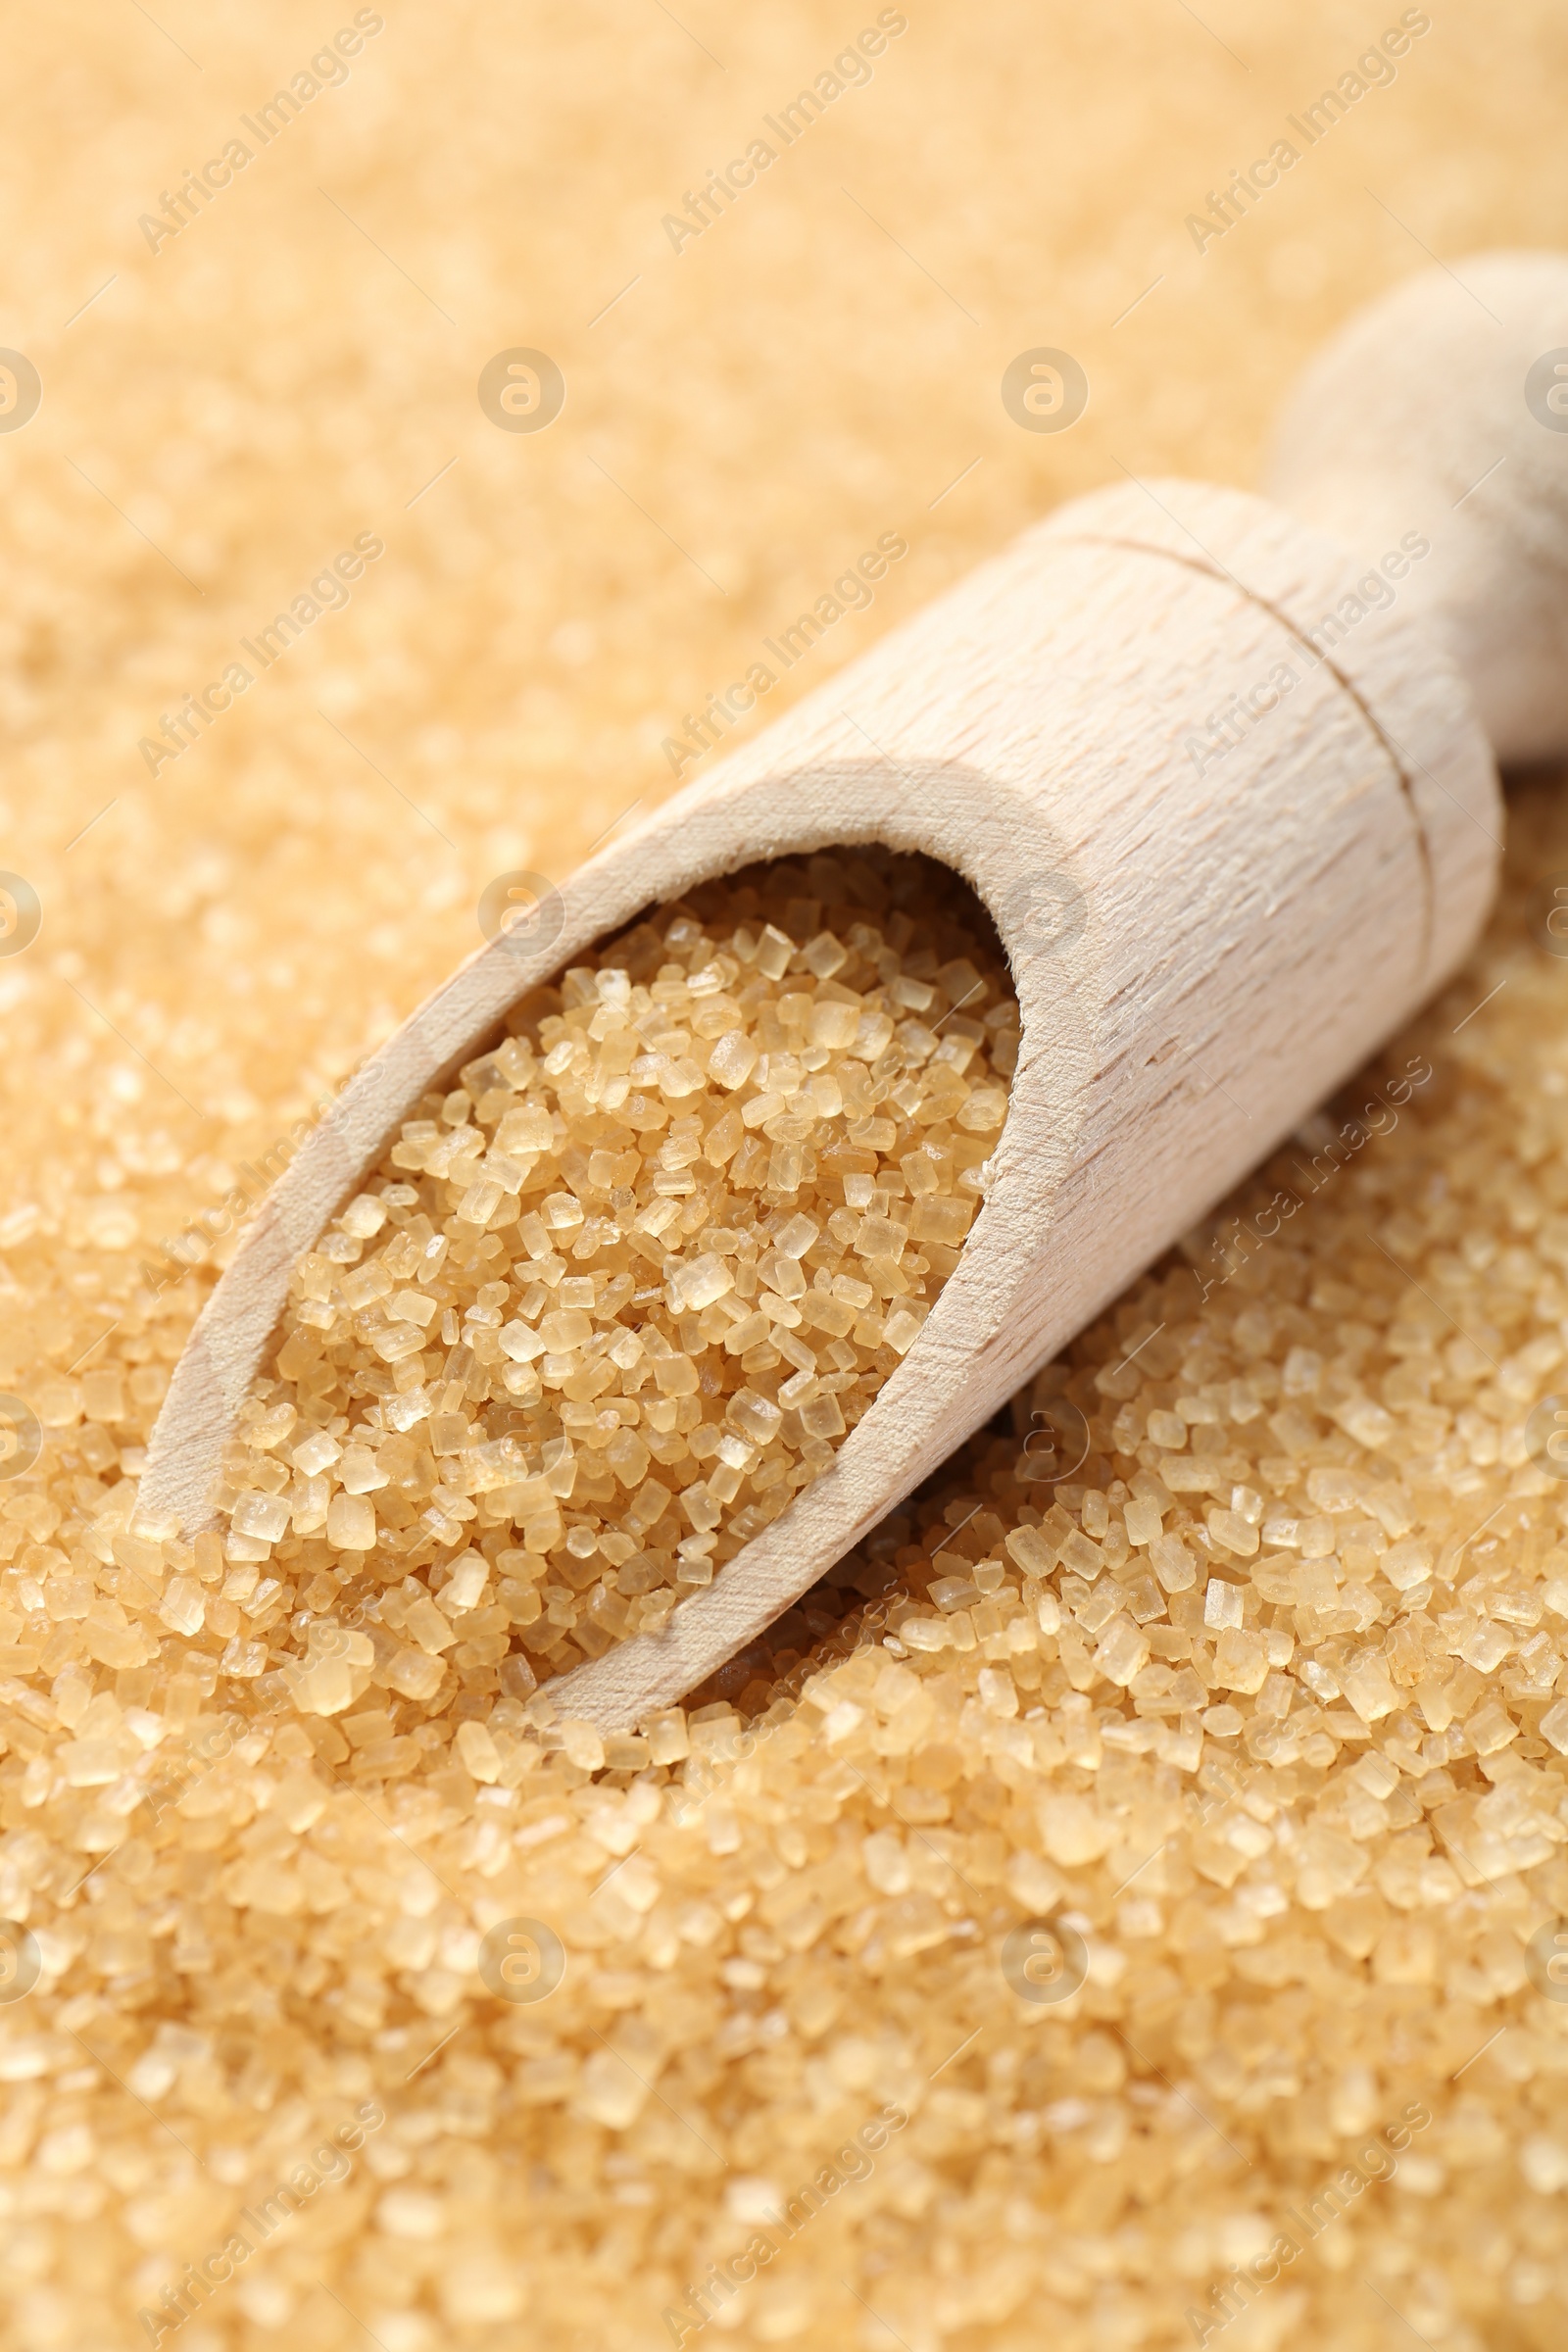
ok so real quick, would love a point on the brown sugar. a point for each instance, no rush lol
(607, 1305)
(1117, 1899)
(783, 1910)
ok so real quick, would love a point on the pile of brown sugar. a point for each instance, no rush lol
(1119, 1908)
(613, 1301)
(252, 1924)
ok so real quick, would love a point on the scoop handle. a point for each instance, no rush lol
(1439, 414)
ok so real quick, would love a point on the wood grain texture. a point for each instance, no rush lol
(1429, 412)
(1204, 943)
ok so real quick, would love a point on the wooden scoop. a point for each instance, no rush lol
(1225, 788)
